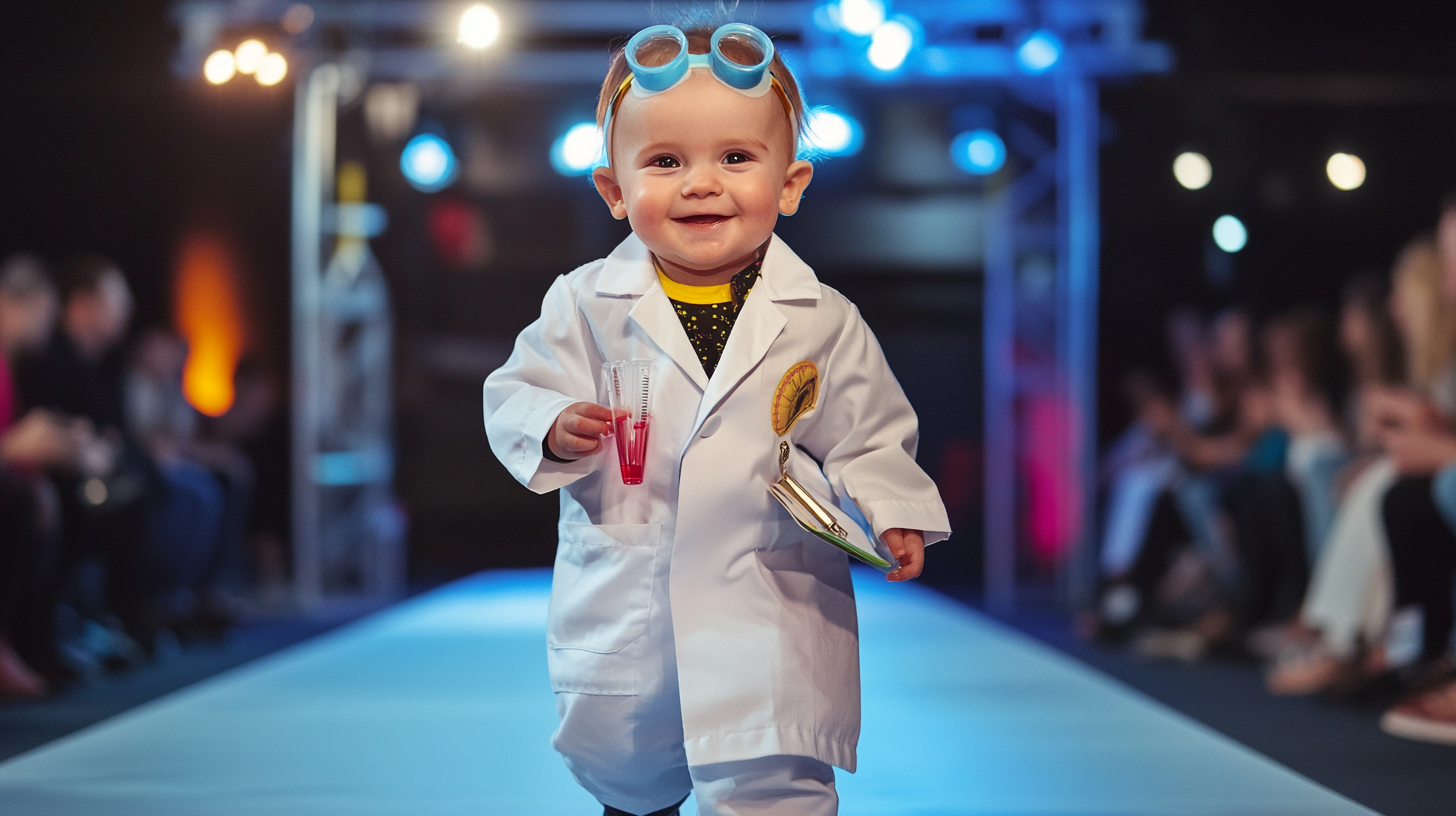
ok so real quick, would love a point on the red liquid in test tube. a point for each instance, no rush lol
(631, 448)
(630, 394)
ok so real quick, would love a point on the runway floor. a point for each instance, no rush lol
(440, 706)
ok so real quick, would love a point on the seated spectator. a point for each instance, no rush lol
(103, 514)
(144, 523)
(1301, 380)
(211, 484)
(1420, 519)
(29, 522)
(1347, 607)
(257, 425)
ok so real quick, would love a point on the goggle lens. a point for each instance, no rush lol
(741, 49)
(658, 57)
(655, 52)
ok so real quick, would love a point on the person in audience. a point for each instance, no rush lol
(257, 425)
(1188, 587)
(77, 377)
(191, 537)
(1347, 607)
(28, 445)
(1141, 529)
(1420, 519)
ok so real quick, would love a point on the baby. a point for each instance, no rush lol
(698, 639)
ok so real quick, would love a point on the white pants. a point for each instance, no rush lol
(1351, 593)
(627, 751)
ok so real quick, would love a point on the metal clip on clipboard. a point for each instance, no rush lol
(814, 516)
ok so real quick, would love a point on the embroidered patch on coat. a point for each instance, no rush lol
(795, 396)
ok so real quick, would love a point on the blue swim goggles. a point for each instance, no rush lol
(739, 56)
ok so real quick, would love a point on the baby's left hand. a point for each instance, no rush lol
(908, 547)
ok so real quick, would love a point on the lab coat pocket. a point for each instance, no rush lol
(601, 599)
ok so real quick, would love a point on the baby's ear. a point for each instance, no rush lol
(799, 174)
(611, 192)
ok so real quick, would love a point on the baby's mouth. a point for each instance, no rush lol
(701, 220)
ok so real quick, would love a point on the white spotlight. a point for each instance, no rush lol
(578, 151)
(219, 67)
(1229, 233)
(890, 45)
(1192, 170)
(272, 69)
(827, 132)
(479, 27)
(861, 17)
(249, 55)
(1345, 170)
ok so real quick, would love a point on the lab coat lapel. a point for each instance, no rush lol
(655, 315)
(759, 324)
(628, 271)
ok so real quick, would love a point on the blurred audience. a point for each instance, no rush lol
(194, 539)
(257, 426)
(1273, 505)
(122, 525)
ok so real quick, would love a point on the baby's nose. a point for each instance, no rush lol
(701, 181)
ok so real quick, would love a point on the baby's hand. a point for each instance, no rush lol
(578, 431)
(908, 547)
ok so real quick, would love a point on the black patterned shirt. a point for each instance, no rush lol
(707, 313)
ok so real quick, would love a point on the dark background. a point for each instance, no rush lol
(102, 148)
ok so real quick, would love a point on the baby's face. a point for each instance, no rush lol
(702, 173)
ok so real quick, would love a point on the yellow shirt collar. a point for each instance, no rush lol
(697, 295)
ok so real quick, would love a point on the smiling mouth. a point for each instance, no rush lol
(701, 220)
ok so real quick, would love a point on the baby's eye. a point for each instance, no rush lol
(664, 161)
(736, 157)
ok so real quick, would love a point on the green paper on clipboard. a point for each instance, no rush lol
(822, 518)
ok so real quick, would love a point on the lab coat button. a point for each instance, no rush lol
(711, 426)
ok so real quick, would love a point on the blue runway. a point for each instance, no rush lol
(441, 706)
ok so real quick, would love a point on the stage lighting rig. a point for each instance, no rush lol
(1229, 233)
(271, 69)
(859, 17)
(578, 151)
(828, 132)
(979, 152)
(219, 67)
(891, 43)
(1192, 170)
(428, 163)
(1039, 52)
(1346, 171)
(480, 27)
(250, 57)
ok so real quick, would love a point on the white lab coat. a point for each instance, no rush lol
(762, 614)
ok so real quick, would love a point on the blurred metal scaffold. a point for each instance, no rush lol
(1048, 54)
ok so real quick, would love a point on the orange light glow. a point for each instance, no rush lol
(210, 315)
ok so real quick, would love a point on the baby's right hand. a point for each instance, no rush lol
(578, 431)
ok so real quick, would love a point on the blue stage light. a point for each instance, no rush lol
(979, 152)
(860, 17)
(891, 43)
(1229, 233)
(578, 151)
(1039, 52)
(828, 132)
(428, 163)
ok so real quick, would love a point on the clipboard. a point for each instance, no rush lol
(822, 518)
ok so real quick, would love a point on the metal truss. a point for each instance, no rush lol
(1047, 215)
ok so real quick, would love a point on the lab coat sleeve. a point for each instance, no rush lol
(549, 369)
(867, 435)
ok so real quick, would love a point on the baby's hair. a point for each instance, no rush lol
(699, 28)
